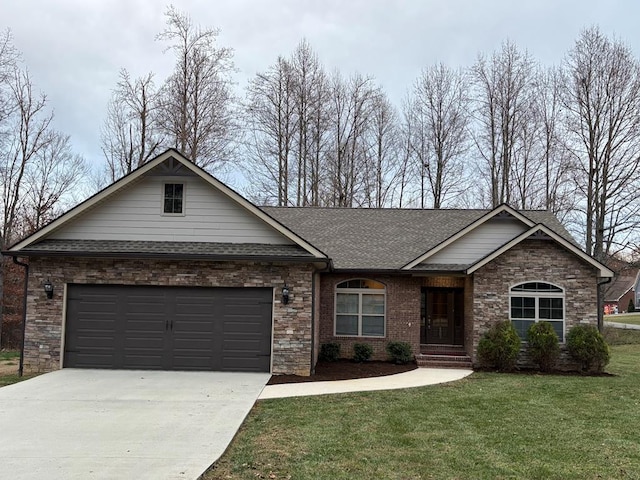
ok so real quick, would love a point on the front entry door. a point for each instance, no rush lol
(442, 316)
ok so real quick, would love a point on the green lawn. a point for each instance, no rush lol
(9, 355)
(633, 318)
(487, 426)
(12, 358)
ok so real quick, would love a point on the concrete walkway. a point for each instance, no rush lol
(628, 326)
(414, 378)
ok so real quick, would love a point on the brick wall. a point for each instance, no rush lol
(291, 323)
(533, 260)
(402, 314)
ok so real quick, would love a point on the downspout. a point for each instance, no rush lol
(601, 303)
(313, 320)
(24, 310)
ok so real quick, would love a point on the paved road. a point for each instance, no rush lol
(105, 424)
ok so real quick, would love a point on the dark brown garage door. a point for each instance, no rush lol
(168, 328)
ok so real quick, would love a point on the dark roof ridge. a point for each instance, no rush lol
(395, 209)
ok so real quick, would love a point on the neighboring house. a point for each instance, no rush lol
(168, 268)
(620, 292)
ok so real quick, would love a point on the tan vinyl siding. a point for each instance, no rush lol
(136, 214)
(479, 242)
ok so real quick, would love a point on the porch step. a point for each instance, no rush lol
(431, 349)
(443, 360)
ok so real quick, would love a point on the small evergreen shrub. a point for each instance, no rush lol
(632, 307)
(499, 347)
(587, 346)
(400, 353)
(329, 352)
(544, 345)
(362, 352)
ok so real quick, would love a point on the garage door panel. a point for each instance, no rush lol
(95, 360)
(151, 327)
(242, 364)
(141, 361)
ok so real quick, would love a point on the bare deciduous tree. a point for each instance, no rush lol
(53, 176)
(309, 84)
(269, 116)
(603, 106)
(129, 135)
(195, 111)
(382, 156)
(350, 111)
(559, 165)
(439, 111)
(502, 95)
(29, 135)
(8, 60)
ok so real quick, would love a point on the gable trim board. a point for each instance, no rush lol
(493, 213)
(138, 173)
(604, 272)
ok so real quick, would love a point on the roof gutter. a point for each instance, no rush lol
(24, 311)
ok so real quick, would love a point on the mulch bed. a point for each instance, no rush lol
(344, 370)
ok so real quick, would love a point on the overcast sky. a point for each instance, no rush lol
(75, 48)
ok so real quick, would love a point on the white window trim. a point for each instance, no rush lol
(360, 291)
(184, 198)
(537, 296)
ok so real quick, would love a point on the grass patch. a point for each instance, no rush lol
(621, 336)
(489, 425)
(631, 318)
(13, 378)
(12, 355)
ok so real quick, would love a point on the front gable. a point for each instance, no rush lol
(477, 243)
(132, 210)
(474, 242)
(540, 232)
(136, 213)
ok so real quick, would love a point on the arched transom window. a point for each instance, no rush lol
(360, 308)
(533, 302)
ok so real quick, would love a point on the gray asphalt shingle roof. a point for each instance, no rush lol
(620, 285)
(361, 238)
(353, 238)
(168, 249)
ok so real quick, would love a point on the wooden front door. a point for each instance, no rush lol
(442, 316)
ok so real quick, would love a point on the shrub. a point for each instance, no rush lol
(499, 347)
(587, 346)
(632, 307)
(399, 352)
(329, 352)
(544, 346)
(362, 352)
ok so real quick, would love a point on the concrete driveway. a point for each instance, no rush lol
(104, 424)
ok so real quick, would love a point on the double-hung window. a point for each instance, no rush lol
(533, 302)
(360, 308)
(173, 199)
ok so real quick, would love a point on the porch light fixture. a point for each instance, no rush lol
(48, 289)
(285, 294)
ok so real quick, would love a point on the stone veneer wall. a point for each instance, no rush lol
(291, 352)
(402, 315)
(533, 260)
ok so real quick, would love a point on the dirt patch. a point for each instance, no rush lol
(9, 367)
(344, 370)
